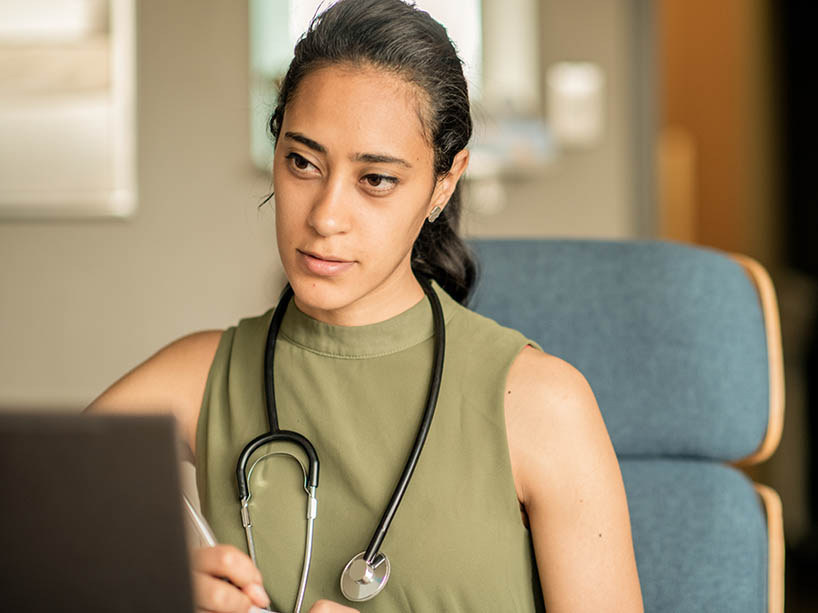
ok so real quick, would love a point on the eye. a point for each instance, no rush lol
(299, 162)
(379, 184)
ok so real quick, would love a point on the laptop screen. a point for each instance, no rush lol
(90, 515)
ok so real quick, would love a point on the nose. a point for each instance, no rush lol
(330, 213)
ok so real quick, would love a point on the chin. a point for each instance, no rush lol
(323, 294)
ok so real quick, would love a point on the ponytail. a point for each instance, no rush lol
(441, 254)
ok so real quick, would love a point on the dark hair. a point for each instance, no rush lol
(396, 36)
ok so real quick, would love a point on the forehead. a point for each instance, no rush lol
(359, 108)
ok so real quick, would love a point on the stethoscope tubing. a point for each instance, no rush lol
(431, 402)
(371, 555)
(274, 437)
(269, 357)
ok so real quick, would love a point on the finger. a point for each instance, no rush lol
(250, 610)
(327, 606)
(257, 594)
(218, 596)
(228, 562)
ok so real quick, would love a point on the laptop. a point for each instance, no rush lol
(91, 515)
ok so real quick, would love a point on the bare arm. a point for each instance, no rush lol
(170, 381)
(569, 482)
(173, 381)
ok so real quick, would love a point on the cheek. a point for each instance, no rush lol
(390, 237)
(417, 215)
(287, 206)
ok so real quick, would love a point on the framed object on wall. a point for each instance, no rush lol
(67, 109)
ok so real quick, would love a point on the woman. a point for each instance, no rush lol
(371, 130)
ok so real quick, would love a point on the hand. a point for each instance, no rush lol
(325, 606)
(225, 580)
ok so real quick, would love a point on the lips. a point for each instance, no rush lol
(324, 265)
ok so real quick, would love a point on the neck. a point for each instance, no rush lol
(395, 295)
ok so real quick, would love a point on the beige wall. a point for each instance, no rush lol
(81, 302)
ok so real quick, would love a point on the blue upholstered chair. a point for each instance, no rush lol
(682, 348)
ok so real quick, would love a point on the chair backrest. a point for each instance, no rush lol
(679, 352)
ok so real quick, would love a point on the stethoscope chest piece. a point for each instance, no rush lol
(361, 581)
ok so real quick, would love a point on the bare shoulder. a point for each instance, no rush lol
(170, 381)
(551, 412)
(568, 480)
(536, 375)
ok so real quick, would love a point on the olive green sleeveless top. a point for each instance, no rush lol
(457, 542)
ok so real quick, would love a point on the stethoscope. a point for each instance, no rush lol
(366, 574)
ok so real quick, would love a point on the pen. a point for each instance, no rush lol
(204, 531)
(199, 523)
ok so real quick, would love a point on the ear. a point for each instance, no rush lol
(444, 188)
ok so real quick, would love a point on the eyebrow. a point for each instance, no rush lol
(376, 158)
(370, 158)
(297, 136)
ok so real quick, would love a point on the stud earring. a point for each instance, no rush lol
(434, 214)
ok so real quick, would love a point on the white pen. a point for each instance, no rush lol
(199, 522)
(204, 531)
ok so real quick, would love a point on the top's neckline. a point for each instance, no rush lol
(407, 329)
